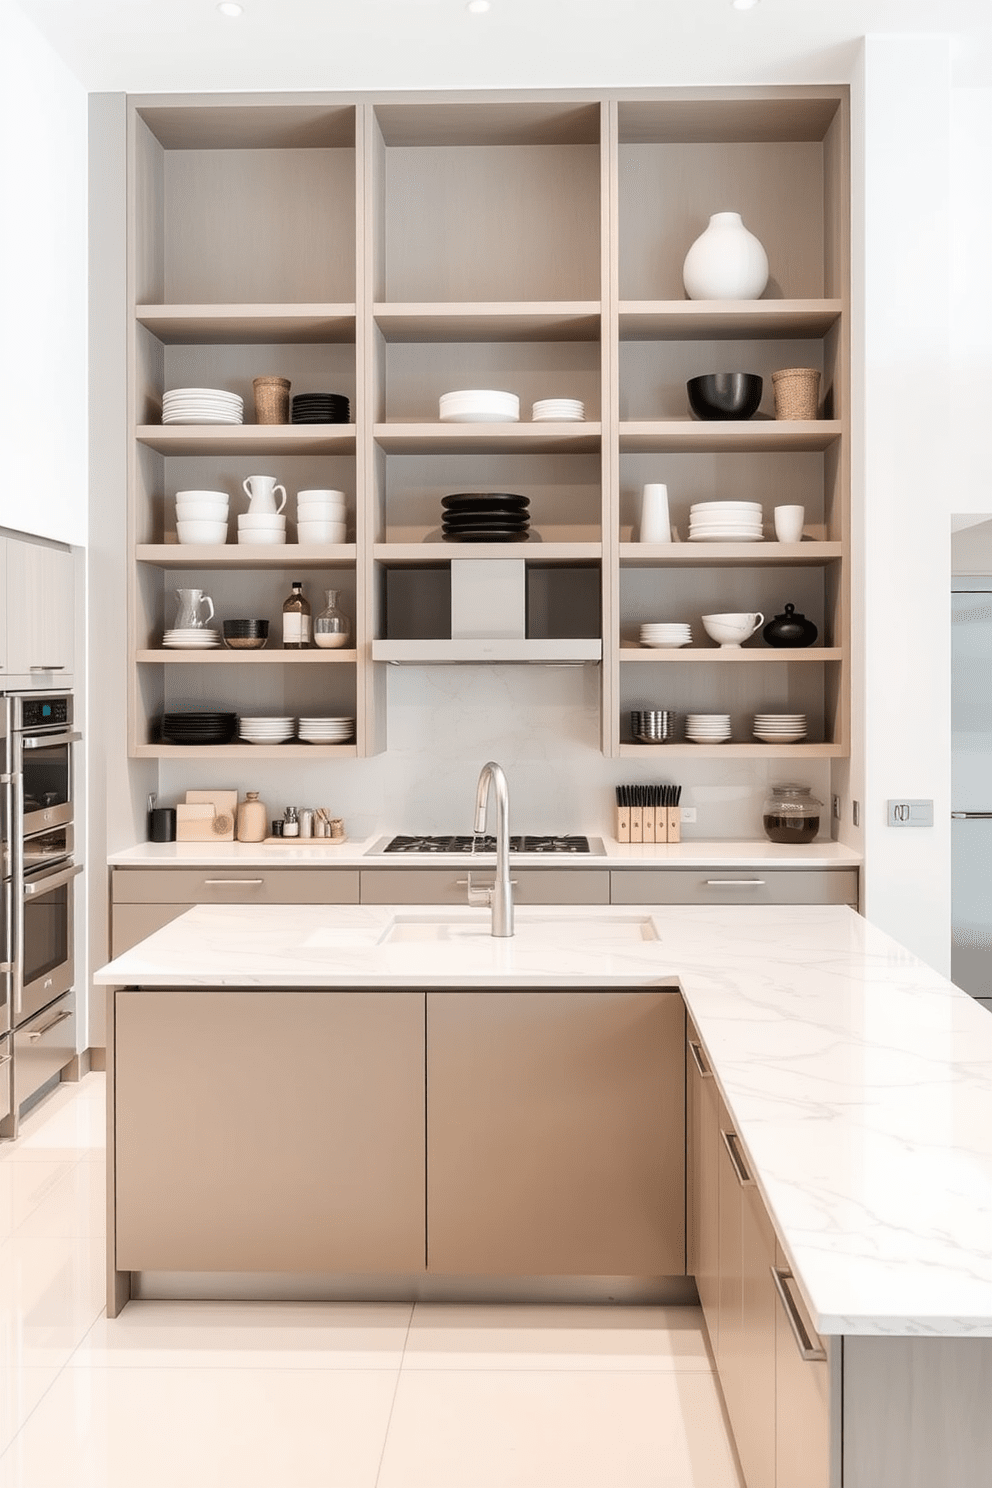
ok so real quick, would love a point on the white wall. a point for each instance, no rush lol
(43, 375)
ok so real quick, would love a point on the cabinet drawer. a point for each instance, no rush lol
(447, 885)
(235, 886)
(735, 886)
(44, 1046)
(6, 1076)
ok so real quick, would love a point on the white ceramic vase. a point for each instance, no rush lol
(726, 262)
(655, 524)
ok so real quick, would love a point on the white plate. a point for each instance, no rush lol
(480, 416)
(726, 537)
(779, 738)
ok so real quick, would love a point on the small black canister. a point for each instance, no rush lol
(162, 824)
(790, 629)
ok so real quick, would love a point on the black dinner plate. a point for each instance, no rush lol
(483, 534)
(469, 501)
(485, 519)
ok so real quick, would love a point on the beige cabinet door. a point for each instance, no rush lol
(754, 1423)
(556, 1133)
(702, 1105)
(269, 1131)
(802, 1398)
(40, 607)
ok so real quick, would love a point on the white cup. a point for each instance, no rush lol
(789, 523)
(731, 630)
(656, 524)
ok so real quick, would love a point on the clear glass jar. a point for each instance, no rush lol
(791, 815)
(331, 628)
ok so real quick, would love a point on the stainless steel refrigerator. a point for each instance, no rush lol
(971, 786)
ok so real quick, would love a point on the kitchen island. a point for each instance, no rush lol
(854, 1085)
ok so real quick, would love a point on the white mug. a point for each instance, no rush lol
(656, 526)
(789, 523)
(261, 492)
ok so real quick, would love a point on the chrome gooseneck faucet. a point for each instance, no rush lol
(499, 897)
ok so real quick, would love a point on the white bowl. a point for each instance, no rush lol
(202, 532)
(321, 532)
(200, 511)
(261, 536)
(316, 511)
(317, 495)
(203, 496)
(261, 522)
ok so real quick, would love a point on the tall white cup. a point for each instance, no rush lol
(789, 523)
(656, 524)
(261, 492)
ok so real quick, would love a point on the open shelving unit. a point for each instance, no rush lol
(393, 248)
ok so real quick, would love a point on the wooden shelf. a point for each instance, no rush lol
(248, 439)
(726, 320)
(485, 652)
(577, 320)
(401, 554)
(710, 655)
(221, 656)
(247, 555)
(245, 751)
(725, 555)
(236, 325)
(480, 439)
(733, 751)
(736, 436)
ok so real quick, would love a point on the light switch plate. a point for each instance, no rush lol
(907, 813)
(688, 814)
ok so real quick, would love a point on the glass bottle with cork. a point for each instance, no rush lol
(296, 620)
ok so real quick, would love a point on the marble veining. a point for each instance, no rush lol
(859, 1079)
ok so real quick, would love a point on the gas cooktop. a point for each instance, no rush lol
(468, 844)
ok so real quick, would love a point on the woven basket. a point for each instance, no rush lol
(797, 392)
(271, 400)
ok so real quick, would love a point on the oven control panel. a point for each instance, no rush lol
(38, 711)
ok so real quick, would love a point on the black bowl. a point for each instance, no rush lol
(246, 627)
(725, 395)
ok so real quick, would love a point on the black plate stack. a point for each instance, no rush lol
(485, 516)
(199, 728)
(321, 408)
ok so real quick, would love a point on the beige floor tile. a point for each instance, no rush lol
(204, 1428)
(51, 1293)
(513, 1429)
(249, 1335)
(25, 1185)
(67, 1126)
(75, 1207)
(448, 1336)
(20, 1392)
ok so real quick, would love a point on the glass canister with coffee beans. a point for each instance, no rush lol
(791, 815)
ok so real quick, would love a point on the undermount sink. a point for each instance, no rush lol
(544, 931)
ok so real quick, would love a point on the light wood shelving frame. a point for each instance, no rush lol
(544, 254)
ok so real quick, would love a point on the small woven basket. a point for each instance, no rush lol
(797, 393)
(271, 400)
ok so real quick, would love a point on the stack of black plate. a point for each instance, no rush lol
(321, 408)
(199, 728)
(485, 516)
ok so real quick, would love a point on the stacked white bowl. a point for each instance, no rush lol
(321, 516)
(266, 730)
(479, 406)
(559, 410)
(326, 730)
(707, 728)
(202, 406)
(665, 635)
(263, 529)
(201, 516)
(780, 728)
(725, 521)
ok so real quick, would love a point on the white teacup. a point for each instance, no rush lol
(261, 492)
(732, 629)
(789, 523)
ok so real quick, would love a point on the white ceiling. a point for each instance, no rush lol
(185, 45)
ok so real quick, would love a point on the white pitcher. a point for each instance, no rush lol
(261, 492)
(188, 615)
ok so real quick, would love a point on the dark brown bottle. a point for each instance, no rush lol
(296, 620)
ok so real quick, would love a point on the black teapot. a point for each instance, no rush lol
(790, 629)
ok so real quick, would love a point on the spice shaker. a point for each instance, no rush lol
(291, 823)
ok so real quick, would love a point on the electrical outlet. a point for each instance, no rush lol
(836, 804)
(688, 815)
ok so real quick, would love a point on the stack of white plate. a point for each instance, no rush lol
(560, 410)
(780, 728)
(707, 728)
(725, 521)
(326, 730)
(666, 635)
(479, 406)
(202, 406)
(195, 638)
(266, 730)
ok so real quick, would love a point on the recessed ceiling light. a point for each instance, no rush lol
(478, 7)
(744, 4)
(230, 9)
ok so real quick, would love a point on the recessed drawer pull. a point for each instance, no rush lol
(214, 882)
(730, 1141)
(738, 883)
(807, 1348)
(696, 1051)
(40, 666)
(35, 1034)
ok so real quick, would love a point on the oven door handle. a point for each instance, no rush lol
(48, 741)
(51, 881)
(16, 844)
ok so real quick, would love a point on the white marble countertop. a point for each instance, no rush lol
(859, 1079)
(691, 854)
